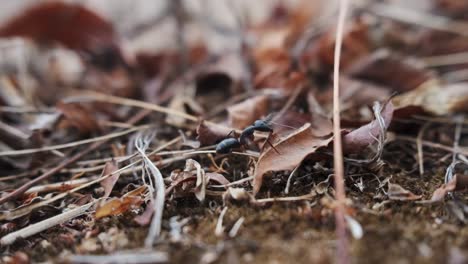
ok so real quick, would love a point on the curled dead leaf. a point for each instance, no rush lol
(396, 192)
(359, 139)
(210, 135)
(70, 24)
(116, 206)
(440, 192)
(434, 98)
(246, 112)
(194, 167)
(292, 149)
(108, 183)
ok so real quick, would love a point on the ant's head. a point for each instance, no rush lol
(262, 126)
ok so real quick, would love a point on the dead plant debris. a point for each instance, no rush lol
(169, 131)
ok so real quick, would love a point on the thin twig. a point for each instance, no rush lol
(45, 224)
(343, 254)
(446, 59)
(433, 145)
(59, 185)
(287, 199)
(72, 144)
(288, 183)
(104, 98)
(140, 115)
(219, 229)
(235, 228)
(121, 258)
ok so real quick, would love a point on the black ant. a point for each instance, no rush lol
(247, 135)
(226, 145)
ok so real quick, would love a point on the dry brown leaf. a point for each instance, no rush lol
(434, 98)
(292, 149)
(108, 183)
(396, 192)
(79, 117)
(246, 112)
(193, 167)
(359, 139)
(117, 206)
(217, 177)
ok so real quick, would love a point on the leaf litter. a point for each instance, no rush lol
(109, 141)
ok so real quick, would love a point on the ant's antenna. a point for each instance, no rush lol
(269, 120)
(282, 125)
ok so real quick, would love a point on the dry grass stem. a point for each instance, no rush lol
(141, 144)
(343, 251)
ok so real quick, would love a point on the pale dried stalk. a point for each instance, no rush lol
(343, 254)
(121, 257)
(286, 199)
(141, 144)
(219, 225)
(99, 97)
(58, 185)
(419, 147)
(45, 224)
(72, 144)
(235, 228)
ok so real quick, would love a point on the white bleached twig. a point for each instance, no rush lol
(45, 224)
(141, 144)
(122, 257)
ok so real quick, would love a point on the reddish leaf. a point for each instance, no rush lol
(70, 24)
(440, 192)
(108, 183)
(217, 177)
(145, 218)
(292, 151)
(359, 139)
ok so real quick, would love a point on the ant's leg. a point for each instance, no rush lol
(269, 143)
(232, 131)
